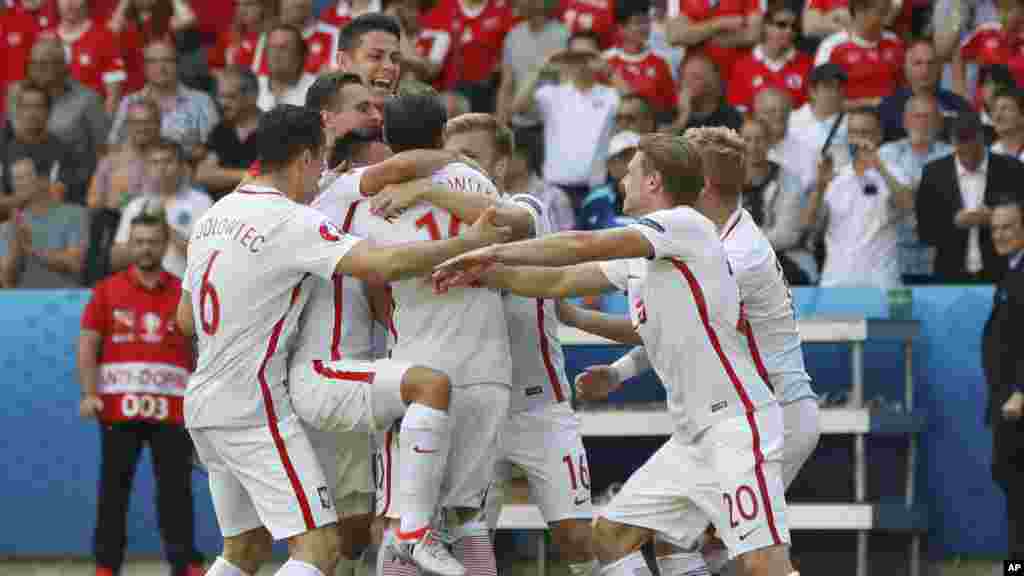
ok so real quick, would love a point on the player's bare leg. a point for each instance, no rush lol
(243, 554)
(313, 553)
(617, 547)
(353, 533)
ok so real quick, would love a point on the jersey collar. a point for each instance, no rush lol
(732, 222)
(775, 65)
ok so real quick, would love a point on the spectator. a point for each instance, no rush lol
(591, 17)
(774, 62)
(863, 204)
(187, 116)
(44, 12)
(42, 247)
(94, 57)
(994, 79)
(993, 43)
(642, 70)
(138, 23)
(19, 29)
(320, 40)
(477, 30)
(133, 366)
(773, 196)
(236, 43)
(602, 208)
(922, 71)
(953, 19)
(179, 202)
(370, 48)
(815, 121)
(521, 177)
(121, 175)
(870, 56)
(339, 13)
(230, 150)
(953, 203)
(422, 51)
(822, 18)
(1008, 119)
(772, 107)
(28, 137)
(527, 46)
(659, 39)
(287, 81)
(923, 123)
(346, 105)
(635, 115)
(718, 29)
(578, 115)
(701, 99)
(76, 116)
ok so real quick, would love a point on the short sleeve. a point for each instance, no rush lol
(541, 223)
(617, 272)
(315, 244)
(96, 316)
(675, 233)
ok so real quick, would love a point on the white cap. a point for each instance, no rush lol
(623, 141)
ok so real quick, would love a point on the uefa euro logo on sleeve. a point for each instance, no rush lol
(1013, 568)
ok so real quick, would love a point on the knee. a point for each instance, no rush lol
(249, 550)
(573, 539)
(427, 386)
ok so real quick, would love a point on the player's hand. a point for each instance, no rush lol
(489, 229)
(390, 202)
(464, 270)
(971, 218)
(596, 383)
(90, 406)
(1013, 409)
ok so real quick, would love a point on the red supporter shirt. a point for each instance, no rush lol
(144, 360)
(989, 44)
(321, 46)
(477, 38)
(45, 17)
(340, 13)
(94, 58)
(433, 46)
(18, 31)
(755, 72)
(874, 69)
(647, 74)
(597, 16)
(702, 10)
(233, 48)
(826, 6)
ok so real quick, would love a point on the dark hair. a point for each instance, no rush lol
(626, 9)
(284, 133)
(156, 220)
(247, 80)
(303, 49)
(325, 88)
(32, 87)
(352, 34)
(349, 146)
(414, 121)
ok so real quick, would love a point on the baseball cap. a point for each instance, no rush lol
(826, 72)
(623, 141)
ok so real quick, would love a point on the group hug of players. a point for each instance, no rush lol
(293, 279)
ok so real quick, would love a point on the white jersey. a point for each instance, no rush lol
(338, 322)
(768, 306)
(247, 258)
(688, 314)
(538, 364)
(462, 333)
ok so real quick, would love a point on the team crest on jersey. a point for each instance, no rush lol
(123, 319)
(757, 81)
(794, 81)
(651, 224)
(853, 57)
(316, 48)
(329, 232)
(151, 327)
(651, 73)
(992, 43)
(84, 59)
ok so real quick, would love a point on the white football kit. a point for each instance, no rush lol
(774, 337)
(248, 257)
(462, 333)
(542, 433)
(723, 462)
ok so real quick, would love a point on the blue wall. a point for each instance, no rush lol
(52, 456)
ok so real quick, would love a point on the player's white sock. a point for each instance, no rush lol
(632, 564)
(592, 568)
(683, 564)
(474, 550)
(295, 567)
(424, 439)
(222, 567)
(390, 565)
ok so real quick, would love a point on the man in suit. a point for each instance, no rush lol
(953, 203)
(1003, 357)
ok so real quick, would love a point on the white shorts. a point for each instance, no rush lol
(546, 444)
(345, 458)
(477, 415)
(802, 430)
(716, 479)
(265, 476)
(348, 395)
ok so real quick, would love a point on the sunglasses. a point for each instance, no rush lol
(784, 24)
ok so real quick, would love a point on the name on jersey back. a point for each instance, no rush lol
(231, 228)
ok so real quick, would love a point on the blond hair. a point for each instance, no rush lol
(677, 161)
(723, 152)
(504, 140)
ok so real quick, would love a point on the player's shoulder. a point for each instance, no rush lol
(745, 243)
(528, 200)
(462, 176)
(677, 218)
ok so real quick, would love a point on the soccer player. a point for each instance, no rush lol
(243, 292)
(369, 47)
(541, 435)
(770, 326)
(722, 463)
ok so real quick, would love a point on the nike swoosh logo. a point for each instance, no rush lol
(419, 450)
(579, 501)
(745, 536)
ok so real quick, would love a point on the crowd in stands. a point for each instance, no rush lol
(879, 132)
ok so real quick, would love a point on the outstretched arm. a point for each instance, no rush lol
(611, 326)
(542, 282)
(402, 167)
